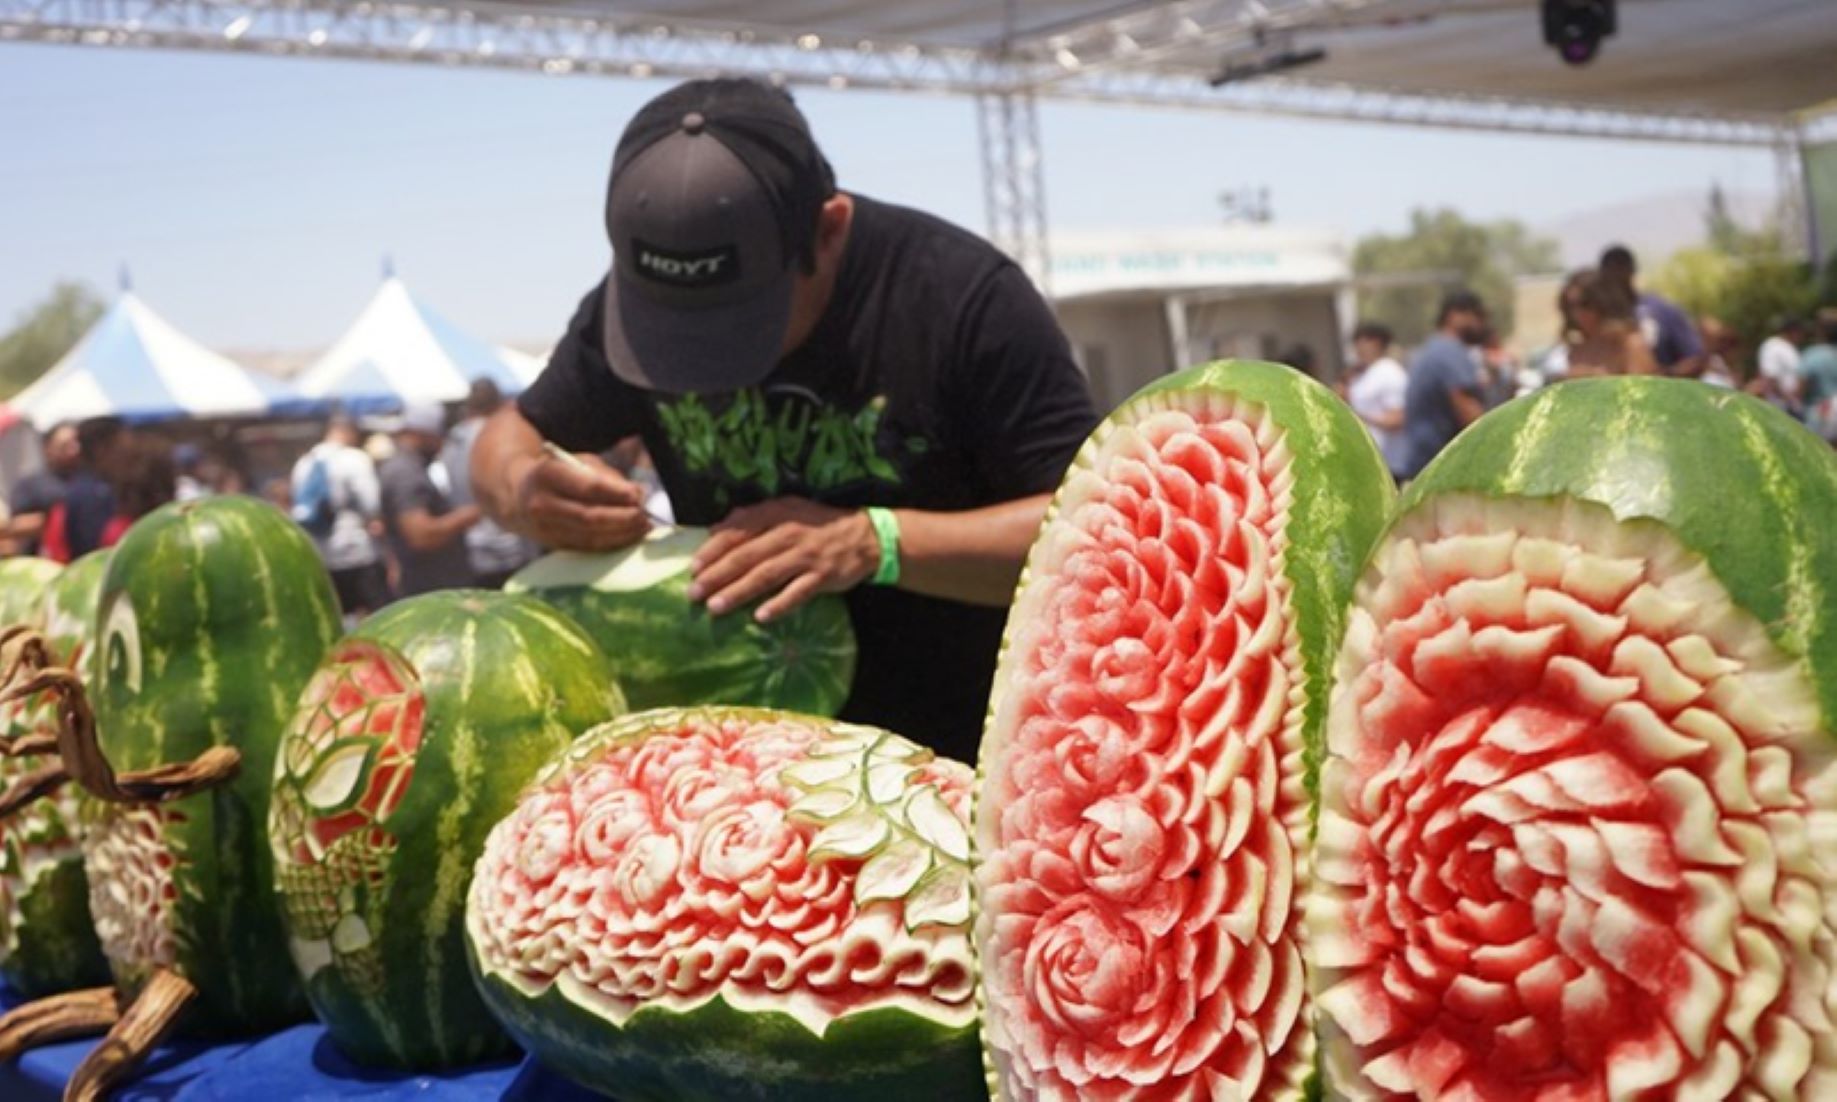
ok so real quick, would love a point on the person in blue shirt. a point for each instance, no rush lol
(1818, 377)
(1674, 341)
(1444, 395)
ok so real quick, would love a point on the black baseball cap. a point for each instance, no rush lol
(712, 208)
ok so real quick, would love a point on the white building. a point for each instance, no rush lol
(1137, 305)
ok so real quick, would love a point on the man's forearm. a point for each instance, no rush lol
(974, 556)
(507, 447)
(25, 526)
(423, 532)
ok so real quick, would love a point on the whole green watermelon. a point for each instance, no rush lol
(667, 651)
(411, 741)
(213, 616)
(47, 939)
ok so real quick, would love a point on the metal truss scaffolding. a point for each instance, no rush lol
(1112, 62)
(1014, 178)
(1137, 52)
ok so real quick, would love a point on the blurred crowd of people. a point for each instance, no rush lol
(391, 513)
(1610, 326)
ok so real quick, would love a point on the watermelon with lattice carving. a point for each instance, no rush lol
(47, 939)
(414, 737)
(725, 904)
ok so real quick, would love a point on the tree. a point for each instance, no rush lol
(1743, 277)
(1443, 250)
(44, 332)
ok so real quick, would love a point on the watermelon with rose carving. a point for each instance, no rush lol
(213, 615)
(47, 940)
(1578, 828)
(1144, 808)
(667, 651)
(719, 904)
(411, 741)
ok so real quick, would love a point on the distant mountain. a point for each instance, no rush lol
(1654, 227)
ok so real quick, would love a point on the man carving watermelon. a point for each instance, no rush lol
(860, 398)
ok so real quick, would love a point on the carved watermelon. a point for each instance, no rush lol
(47, 939)
(1144, 810)
(728, 904)
(667, 651)
(23, 581)
(213, 616)
(411, 741)
(1579, 809)
(24, 584)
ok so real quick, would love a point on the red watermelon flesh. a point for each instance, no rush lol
(1571, 842)
(363, 721)
(1143, 826)
(726, 854)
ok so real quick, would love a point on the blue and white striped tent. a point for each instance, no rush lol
(400, 351)
(134, 365)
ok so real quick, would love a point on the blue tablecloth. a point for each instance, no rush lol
(296, 1065)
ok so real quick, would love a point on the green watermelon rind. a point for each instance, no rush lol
(258, 574)
(1341, 501)
(667, 651)
(1747, 488)
(716, 1053)
(23, 582)
(57, 948)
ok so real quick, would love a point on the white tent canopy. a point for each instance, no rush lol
(133, 364)
(398, 350)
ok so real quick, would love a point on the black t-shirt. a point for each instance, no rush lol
(936, 379)
(407, 486)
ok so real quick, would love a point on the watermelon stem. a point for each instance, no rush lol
(58, 1018)
(138, 1031)
(76, 737)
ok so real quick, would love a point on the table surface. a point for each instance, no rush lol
(295, 1065)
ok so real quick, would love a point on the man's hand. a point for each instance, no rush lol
(584, 506)
(790, 548)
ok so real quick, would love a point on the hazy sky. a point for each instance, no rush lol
(253, 197)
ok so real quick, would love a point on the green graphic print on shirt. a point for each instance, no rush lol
(784, 441)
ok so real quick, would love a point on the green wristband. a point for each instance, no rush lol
(886, 530)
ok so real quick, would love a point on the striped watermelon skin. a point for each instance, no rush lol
(1586, 700)
(1137, 675)
(23, 583)
(1742, 485)
(667, 651)
(493, 685)
(49, 940)
(213, 615)
(69, 612)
